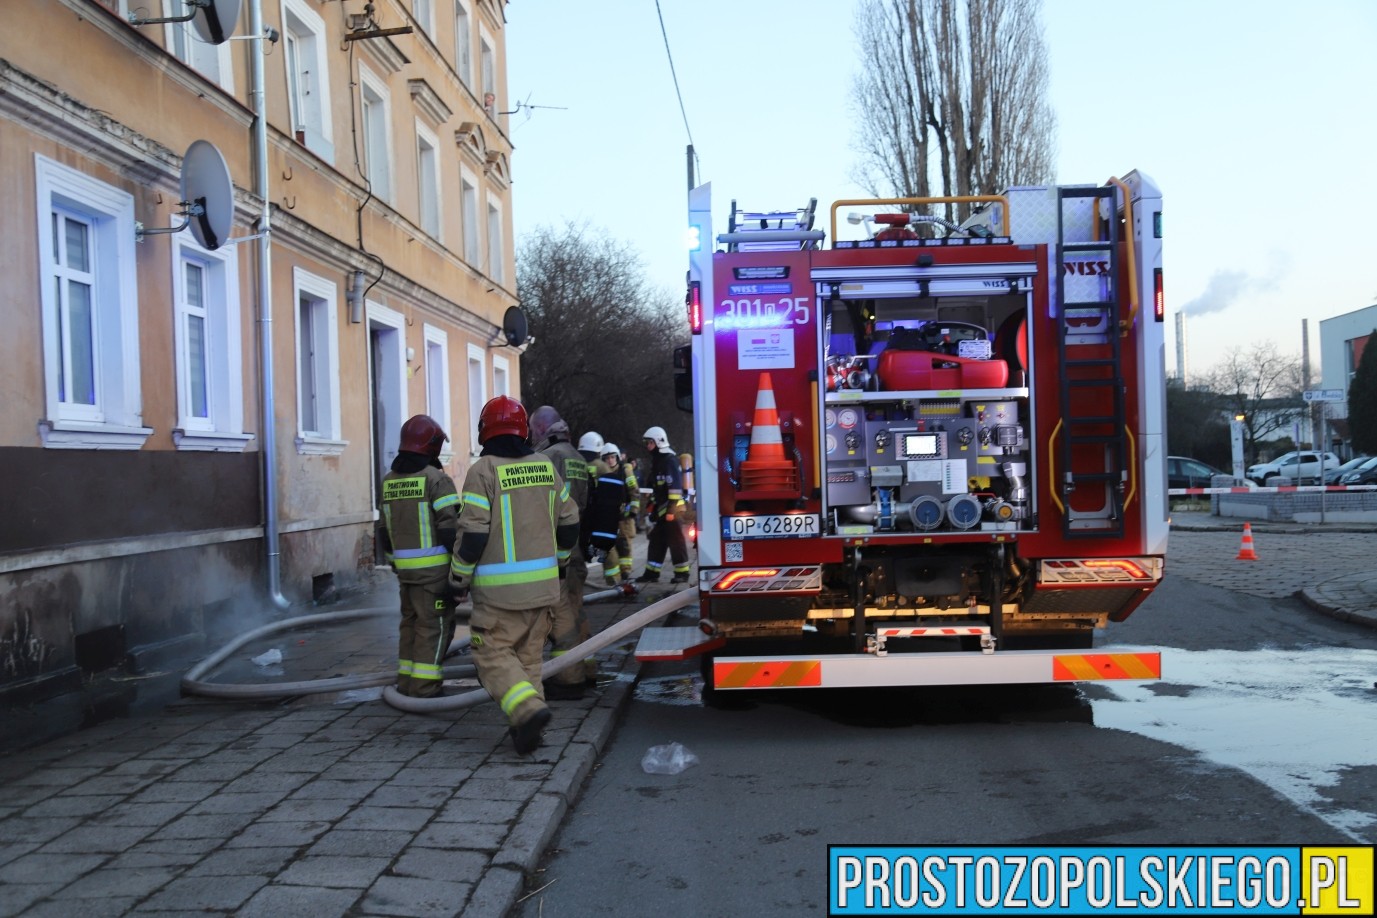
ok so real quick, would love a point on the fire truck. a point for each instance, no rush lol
(932, 454)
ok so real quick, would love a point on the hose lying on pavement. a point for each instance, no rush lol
(266, 691)
(611, 635)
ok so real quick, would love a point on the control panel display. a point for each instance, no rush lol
(928, 444)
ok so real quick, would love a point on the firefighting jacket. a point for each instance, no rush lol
(418, 518)
(572, 468)
(666, 484)
(606, 505)
(516, 531)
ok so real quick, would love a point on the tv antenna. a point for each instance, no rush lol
(514, 332)
(207, 203)
(214, 20)
(528, 107)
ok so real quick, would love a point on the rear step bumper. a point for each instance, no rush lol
(909, 669)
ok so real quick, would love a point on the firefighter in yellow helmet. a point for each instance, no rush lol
(550, 436)
(417, 520)
(515, 533)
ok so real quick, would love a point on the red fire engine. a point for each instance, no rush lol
(934, 455)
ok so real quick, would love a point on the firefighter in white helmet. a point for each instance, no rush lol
(624, 494)
(550, 435)
(665, 511)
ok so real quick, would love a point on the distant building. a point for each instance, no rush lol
(1342, 340)
(131, 428)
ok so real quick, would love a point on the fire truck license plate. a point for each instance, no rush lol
(771, 526)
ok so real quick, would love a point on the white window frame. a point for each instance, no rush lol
(501, 376)
(115, 421)
(436, 351)
(497, 259)
(375, 126)
(468, 211)
(429, 199)
(304, 36)
(223, 429)
(327, 441)
(463, 43)
(185, 43)
(478, 394)
(487, 66)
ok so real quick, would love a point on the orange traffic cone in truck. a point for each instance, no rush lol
(767, 473)
(1245, 552)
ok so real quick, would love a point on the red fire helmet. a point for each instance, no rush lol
(501, 415)
(423, 435)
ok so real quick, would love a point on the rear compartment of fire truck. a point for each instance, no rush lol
(928, 420)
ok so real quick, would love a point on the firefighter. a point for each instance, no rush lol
(550, 435)
(618, 559)
(417, 520)
(666, 510)
(515, 533)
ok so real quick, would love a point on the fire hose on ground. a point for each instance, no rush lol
(193, 682)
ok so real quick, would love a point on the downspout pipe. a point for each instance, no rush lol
(268, 421)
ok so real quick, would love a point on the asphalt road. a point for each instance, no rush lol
(1259, 733)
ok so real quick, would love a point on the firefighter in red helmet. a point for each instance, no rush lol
(417, 522)
(515, 533)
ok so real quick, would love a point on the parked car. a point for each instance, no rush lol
(1189, 473)
(1364, 474)
(1335, 476)
(1295, 465)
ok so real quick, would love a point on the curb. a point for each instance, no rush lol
(504, 883)
(1311, 599)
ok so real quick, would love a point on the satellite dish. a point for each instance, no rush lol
(514, 326)
(217, 20)
(207, 192)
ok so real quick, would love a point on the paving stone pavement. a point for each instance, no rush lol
(317, 806)
(1332, 567)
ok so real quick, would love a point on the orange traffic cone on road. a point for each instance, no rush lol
(766, 469)
(1245, 552)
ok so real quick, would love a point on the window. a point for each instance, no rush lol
(489, 66)
(308, 84)
(478, 396)
(428, 180)
(375, 109)
(469, 204)
(90, 311)
(437, 378)
(206, 336)
(501, 377)
(186, 44)
(423, 11)
(496, 256)
(463, 44)
(317, 361)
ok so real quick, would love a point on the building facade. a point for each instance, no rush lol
(1342, 340)
(147, 501)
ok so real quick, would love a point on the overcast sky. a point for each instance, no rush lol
(1256, 119)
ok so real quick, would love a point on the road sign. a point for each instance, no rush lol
(1324, 395)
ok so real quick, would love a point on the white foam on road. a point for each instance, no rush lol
(1293, 719)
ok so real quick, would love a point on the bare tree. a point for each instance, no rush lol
(958, 87)
(1263, 386)
(604, 339)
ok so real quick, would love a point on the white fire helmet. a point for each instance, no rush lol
(610, 449)
(591, 441)
(658, 435)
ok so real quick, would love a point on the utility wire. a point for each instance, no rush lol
(679, 94)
